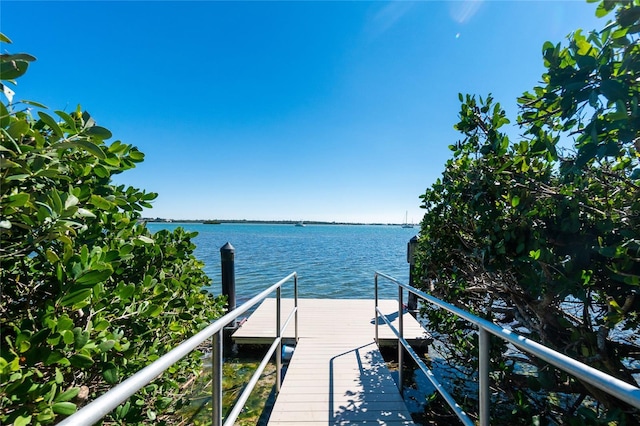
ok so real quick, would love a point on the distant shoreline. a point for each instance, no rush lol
(263, 222)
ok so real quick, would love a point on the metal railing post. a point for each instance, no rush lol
(295, 303)
(278, 335)
(375, 312)
(483, 372)
(400, 348)
(412, 298)
(216, 379)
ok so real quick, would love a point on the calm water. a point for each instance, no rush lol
(332, 261)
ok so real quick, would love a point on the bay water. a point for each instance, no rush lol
(332, 261)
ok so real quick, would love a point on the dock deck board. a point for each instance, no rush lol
(336, 319)
(337, 375)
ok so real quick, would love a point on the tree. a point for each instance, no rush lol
(89, 295)
(545, 240)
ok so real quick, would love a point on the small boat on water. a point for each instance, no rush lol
(406, 224)
(301, 224)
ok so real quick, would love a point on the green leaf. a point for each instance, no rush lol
(75, 297)
(5, 39)
(145, 239)
(93, 277)
(125, 291)
(55, 356)
(123, 410)
(22, 421)
(84, 213)
(629, 16)
(601, 10)
(52, 257)
(80, 338)
(587, 153)
(17, 57)
(153, 310)
(69, 121)
(51, 122)
(67, 337)
(4, 114)
(71, 200)
(101, 203)
(18, 129)
(613, 90)
(151, 415)
(111, 375)
(24, 346)
(99, 132)
(64, 408)
(101, 325)
(92, 148)
(13, 69)
(17, 200)
(64, 323)
(67, 395)
(101, 171)
(16, 177)
(81, 361)
(112, 161)
(45, 416)
(106, 345)
(56, 201)
(135, 155)
(35, 104)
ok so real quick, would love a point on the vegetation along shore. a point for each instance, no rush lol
(537, 230)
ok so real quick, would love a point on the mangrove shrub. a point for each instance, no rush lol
(89, 295)
(541, 232)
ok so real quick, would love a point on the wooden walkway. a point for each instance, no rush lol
(337, 375)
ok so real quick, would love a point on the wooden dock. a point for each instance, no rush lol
(337, 375)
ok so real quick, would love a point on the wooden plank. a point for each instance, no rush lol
(337, 375)
(329, 383)
(340, 319)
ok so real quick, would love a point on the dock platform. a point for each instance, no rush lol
(337, 375)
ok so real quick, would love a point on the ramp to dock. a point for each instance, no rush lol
(337, 375)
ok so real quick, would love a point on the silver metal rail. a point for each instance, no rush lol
(106, 403)
(613, 386)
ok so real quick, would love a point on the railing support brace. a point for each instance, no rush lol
(375, 307)
(295, 303)
(412, 298)
(483, 372)
(278, 335)
(400, 347)
(216, 379)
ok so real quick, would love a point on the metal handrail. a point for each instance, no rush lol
(609, 384)
(106, 403)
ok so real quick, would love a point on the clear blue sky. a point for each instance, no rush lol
(335, 111)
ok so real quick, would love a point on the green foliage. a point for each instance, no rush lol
(545, 239)
(89, 296)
